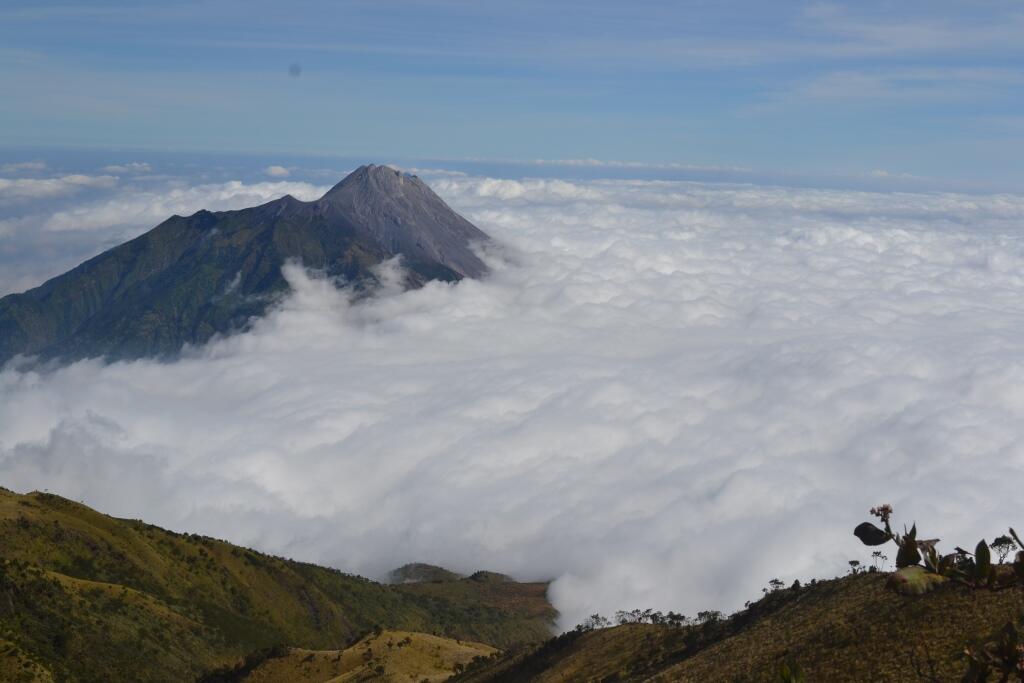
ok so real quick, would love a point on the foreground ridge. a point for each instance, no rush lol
(846, 629)
(87, 597)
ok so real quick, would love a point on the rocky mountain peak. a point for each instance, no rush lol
(191, 278)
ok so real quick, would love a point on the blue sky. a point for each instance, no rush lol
(928, 89)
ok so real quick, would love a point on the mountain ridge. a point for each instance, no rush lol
(89, 597)
(193, 277)
(847, 629)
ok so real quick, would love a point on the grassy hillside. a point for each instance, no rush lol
(387, 656)
(87, 597)
(847, 629)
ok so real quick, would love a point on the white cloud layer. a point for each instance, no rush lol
(665, 395)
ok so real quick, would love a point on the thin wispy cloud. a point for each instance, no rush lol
(870, 33)
(130, 167)
(908, 86)
(612, 163)
(23, 167)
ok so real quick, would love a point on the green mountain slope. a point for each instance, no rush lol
(847, 629)
(191, 278)
(87, 597)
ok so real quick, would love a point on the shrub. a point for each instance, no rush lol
(972, 569)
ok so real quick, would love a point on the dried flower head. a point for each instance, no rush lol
(883, 512)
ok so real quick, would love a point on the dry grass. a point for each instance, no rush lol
(854, 629)
(390, 656)
(94, 598)
(17, 666)
(847, 629)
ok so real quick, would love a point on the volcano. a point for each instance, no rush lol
(210, 273)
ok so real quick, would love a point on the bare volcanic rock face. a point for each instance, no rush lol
(190, 278)
(404, 216)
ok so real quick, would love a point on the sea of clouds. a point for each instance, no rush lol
(666, 393)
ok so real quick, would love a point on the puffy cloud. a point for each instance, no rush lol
(277, 171)
(25, 189)
(664, 395)
(131, 167)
